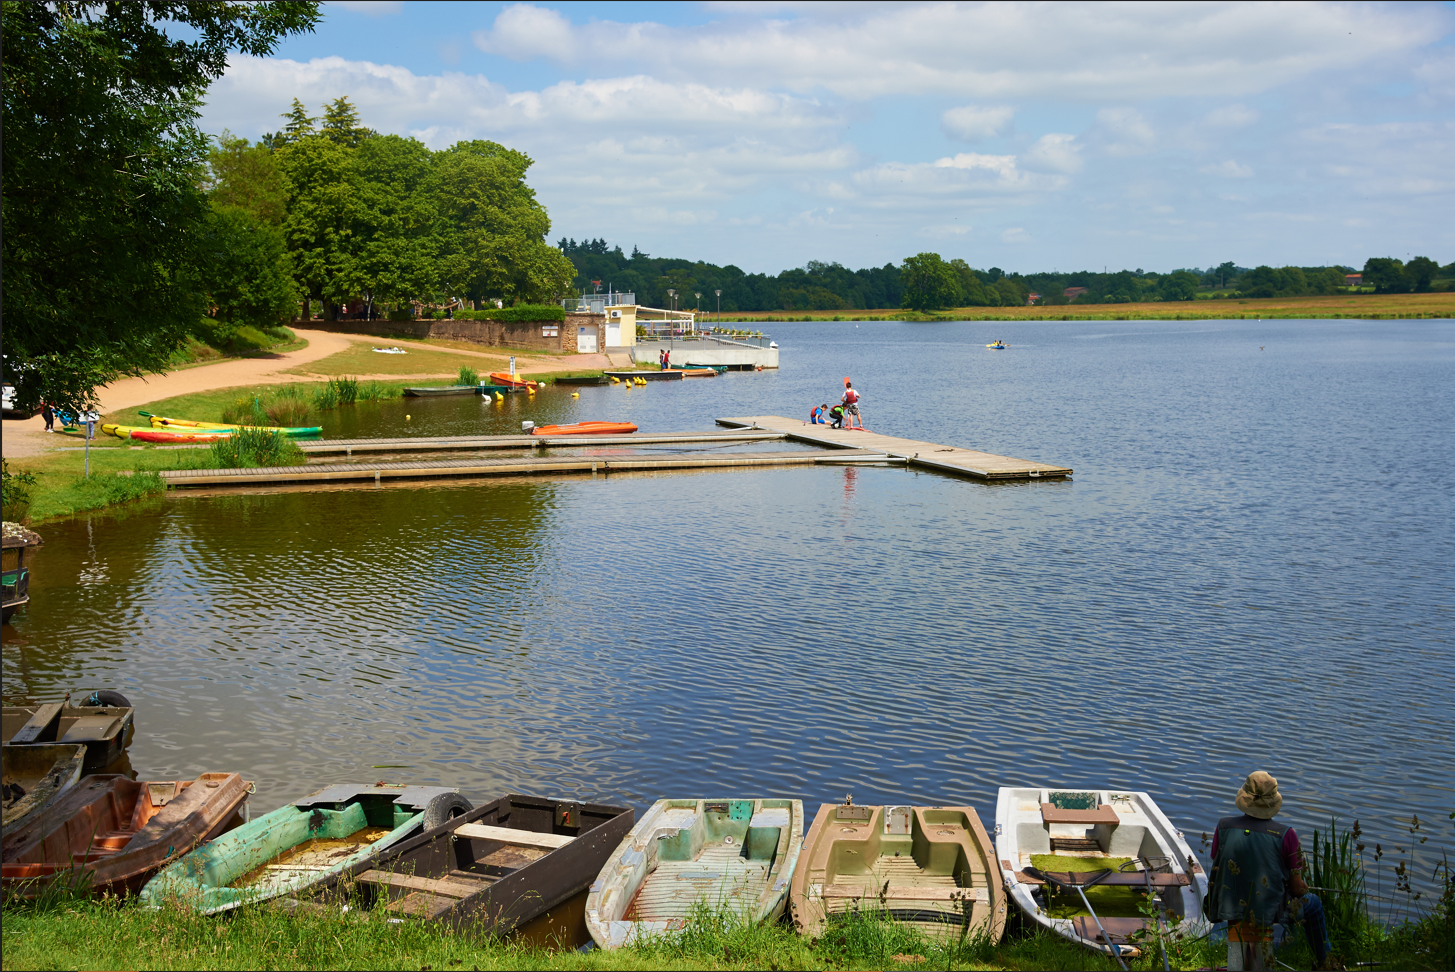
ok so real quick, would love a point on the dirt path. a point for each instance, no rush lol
(28, 437)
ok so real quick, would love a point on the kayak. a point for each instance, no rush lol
(146, 434)
(997, 346)
(509, 380)
(293, 431)
(586, 428)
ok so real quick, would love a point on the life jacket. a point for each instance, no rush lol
(851, 396)
(1248, 881)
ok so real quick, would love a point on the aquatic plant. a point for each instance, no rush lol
(346, 388)
(252, 447)
(374, 392)
(467, 376)
(325, 398)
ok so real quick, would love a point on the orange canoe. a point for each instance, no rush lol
(585, 428)
(508, 380)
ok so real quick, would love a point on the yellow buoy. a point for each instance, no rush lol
(575, 394)
(406, 418)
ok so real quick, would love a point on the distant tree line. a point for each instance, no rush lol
(927, 281)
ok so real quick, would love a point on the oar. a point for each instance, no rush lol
(1105, 873)
(145, 414)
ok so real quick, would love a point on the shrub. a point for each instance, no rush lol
(403, 314)
(251, 448)
(467, 376)
(16, 492)
(245, 411)
(289, 412)
(522, 313)
(346, 388)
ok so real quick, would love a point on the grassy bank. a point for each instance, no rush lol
(110, 934)
(1339, 306)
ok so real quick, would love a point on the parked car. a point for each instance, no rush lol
(9, 404)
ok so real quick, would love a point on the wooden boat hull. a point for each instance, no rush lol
(493, 869)
(109, 834)
(1029, 822)
(439, 391)
(930, 867)
(586, 428)
(588, 380)
(734, 854)
(509, 380)
(105, 730)
(35, 777)
(292, 849)
(19, 551)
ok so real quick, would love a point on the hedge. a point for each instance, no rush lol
(525, 313)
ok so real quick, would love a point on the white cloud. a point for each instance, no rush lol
(1015, 234)
(1232, 116)
(1228, 170)
(1054, 153)
(1084, 52)
(971, 123)
(1124, 131)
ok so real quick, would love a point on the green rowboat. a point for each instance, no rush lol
(300, 845)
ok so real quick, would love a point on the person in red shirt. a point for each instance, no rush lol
(850, 401)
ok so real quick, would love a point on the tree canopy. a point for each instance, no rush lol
(106, 227)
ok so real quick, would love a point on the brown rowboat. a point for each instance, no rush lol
(115, 833)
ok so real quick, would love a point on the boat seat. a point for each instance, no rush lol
(1103, 814)
(1119, 879)
(1120, 930)
(448, 889)
(904, 893)
(508, 835)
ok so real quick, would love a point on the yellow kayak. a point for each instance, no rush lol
(162, 422)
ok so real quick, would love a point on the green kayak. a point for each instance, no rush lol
(300, 845)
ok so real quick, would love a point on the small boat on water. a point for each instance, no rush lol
(586, 428)
(696, 370)
(736, 854)
(19, 549)
(34, 777)
(1117, 846)
(672, 374)
(113, 833)
(492, 869)
(301, 845)
(510, 381)
(929, 867)
(439, 391)
(104, 722)
(584, 380)
(182, 425)
(998, 346)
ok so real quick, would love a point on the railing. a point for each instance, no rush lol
(596, 303)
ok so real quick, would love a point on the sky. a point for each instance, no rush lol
(1029, 136)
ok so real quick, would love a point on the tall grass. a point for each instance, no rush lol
(252, 448)
(467, 376)
(346, 388)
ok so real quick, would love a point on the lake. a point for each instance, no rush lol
(1251, 568)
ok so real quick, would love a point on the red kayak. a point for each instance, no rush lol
(174, 438)
(510, 381)
(585, 428)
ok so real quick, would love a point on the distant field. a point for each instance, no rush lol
(1338, 306)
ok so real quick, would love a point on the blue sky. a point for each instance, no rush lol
(1026, 136)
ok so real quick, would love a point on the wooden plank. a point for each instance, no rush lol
(508, 835)
(1118, 879)
(451, 442)
(1103, 814)
(45, 717)
(904, 893)
(448, 889)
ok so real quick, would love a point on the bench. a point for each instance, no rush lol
(1103, 814)
(903, 893)
(1117, 879)
(447, 889)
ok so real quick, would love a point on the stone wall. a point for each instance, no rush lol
(536, 335)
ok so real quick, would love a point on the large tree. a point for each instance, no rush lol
(928, 282)
(103, 214)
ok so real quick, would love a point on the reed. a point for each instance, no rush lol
(467, 376)
(252, 448)
(347, 389)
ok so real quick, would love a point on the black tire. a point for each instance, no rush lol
(106, 697)
(444, 808)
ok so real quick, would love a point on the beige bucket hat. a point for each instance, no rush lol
(1259, 796)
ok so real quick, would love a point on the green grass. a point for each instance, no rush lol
(210, 406)
(68, 933)
(119, 474)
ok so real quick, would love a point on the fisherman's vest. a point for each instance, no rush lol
(1248, 879)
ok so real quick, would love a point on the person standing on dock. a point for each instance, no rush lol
(850, 401)
(1257, 880)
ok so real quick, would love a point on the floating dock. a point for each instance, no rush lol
(456, 443)
(961, 462)
(510, 466)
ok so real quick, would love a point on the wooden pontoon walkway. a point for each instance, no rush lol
(446, 443)
(963, 462)
(508, 466)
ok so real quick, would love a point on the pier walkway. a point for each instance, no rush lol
(962, 462)
(509, 466)
(455, 443)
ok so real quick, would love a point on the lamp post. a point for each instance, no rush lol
(698, 314)
(671, 323)
(719, 306)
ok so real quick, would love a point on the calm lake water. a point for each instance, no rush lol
(1250, 569)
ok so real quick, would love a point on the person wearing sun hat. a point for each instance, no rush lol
(1257, 881)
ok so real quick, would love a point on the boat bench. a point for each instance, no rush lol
(516, 838)
(1120, 930)
(1103, 814)
(905, 893)
(448, 889)
(1117, 879)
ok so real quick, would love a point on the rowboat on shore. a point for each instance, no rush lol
(510, 381)
(182, 425)
(19, 546)
(586, 428)
(301, 845)
(493, 869)
(1118, 846)
(735, 854)
(932, 868)
(103, 722)
(109, 834)
(34, 778)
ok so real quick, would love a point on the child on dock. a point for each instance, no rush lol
(850, 403)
